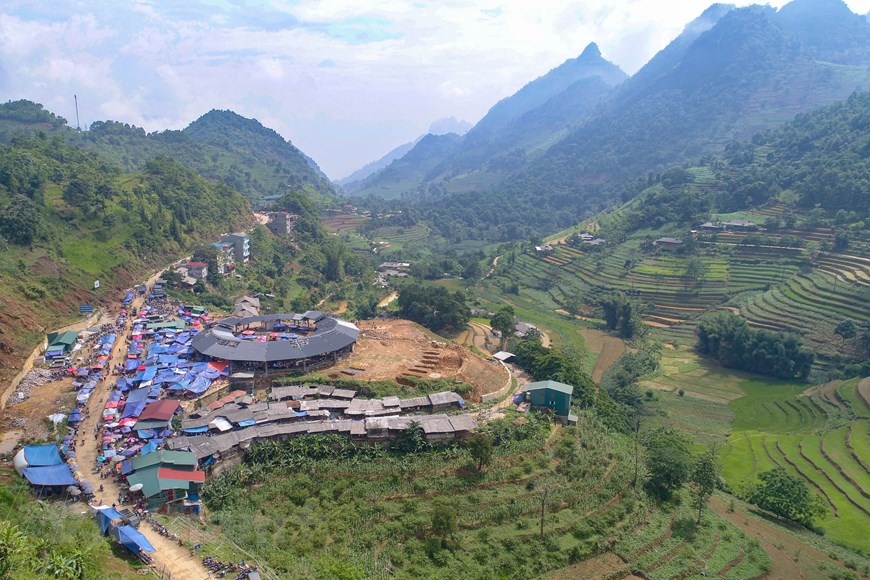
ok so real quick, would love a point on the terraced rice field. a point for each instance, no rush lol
(774, 290)
(815, 434)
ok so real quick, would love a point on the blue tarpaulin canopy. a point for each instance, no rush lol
(133, 540)
(146, 375)
(138, 395)
(50, 475)
(200, 385)
(105, 515)
(133, 409)
(203, 429)
(41, 455)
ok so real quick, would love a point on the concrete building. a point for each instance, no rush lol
(551, 397)
(197, 270)
(241, 246)
(282, 222)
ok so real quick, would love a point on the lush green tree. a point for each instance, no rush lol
(480, 447)
(443, 523)
(504, 321)
(412, 439)
(435, 307)
(336, 254)
(703, 479)
(787, 496)
(727, 338)
(669, 461)
(696, 270)
(846, 330)
(19, 221)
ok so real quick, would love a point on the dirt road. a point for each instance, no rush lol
(170, 556)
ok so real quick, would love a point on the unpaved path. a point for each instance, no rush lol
(174, 559)
(609, 348)
(386, 301)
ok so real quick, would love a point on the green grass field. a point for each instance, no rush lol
(761, 424)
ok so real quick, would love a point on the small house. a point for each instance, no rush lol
(740, 225)
(197, 270)
(522, 329)
(668, 243)
(545, 249)
(552, 397)
(710, 227)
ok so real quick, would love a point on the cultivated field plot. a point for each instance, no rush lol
(346, 514)
(820, 434)
(774, 287)
(398, 349)
(343, 223)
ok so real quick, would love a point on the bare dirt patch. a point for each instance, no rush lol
(598, 567)
(395, 349)
(609, 347)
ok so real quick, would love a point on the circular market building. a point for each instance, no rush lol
(278, 342)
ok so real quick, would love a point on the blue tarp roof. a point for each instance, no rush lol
(138, 395)
(105, 515)
(133, 409)
(202, 429)
(50, 475)
(146, 375)
(133, 540)
(200, 385)
(41, 455)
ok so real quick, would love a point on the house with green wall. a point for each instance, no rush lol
(551, 397)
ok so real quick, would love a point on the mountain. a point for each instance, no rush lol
(718, 83)
(449, 125)
(379, 164)
(402, 176)
(222, 145)
(513, 129)
(589, 64)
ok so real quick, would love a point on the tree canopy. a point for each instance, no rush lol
(727, 338)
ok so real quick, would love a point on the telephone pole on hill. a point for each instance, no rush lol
(78, 125)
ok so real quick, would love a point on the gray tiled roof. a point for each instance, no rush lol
(331, 335)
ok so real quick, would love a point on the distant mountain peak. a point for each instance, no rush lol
(591, 51)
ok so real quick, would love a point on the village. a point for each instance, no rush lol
(166, 396)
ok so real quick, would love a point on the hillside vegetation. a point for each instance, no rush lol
(732, 73)
(69, 217)
(337, 510)
(220, 145)
(803, 267)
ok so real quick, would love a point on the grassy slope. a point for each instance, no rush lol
(762, 424)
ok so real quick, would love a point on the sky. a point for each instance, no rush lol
(344, 80)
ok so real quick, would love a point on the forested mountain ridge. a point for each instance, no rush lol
(785, 241)
(498, 144)
(732, 73)
(69, 217)
(222, 145)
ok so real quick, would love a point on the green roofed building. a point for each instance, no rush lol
(553, 396)
(64, 340)
(168, 478)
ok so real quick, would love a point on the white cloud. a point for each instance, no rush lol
(344, 80)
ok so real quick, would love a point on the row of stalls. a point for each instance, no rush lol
(116, 525)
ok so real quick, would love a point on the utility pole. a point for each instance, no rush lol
(78, 125)
(545, 491)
